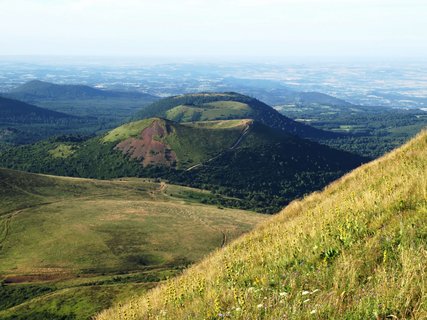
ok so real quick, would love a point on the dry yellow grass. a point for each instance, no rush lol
(357, 250)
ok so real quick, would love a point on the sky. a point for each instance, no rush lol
(209, 29)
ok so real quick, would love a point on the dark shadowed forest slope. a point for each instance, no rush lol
(259, 167)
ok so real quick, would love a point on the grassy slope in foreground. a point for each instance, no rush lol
(357, 250)
(70, 247)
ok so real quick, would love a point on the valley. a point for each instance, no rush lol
(70, 247)
(54, 110)
(213, 160)
(137, 207)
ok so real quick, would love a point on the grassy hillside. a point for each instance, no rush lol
(147, 147)
(190, 144)
(209, 111)
(71, 247)
(223, 106)
(263, 167)
(132, 149)
(357, 250)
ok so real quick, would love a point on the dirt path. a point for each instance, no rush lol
(161, 190)
(234, 146)
(224, 239)
(6, 227)
(8, 216)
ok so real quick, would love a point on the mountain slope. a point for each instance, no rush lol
(111, 107)
(22, 123)
(14, 111)
(158, 141)
(37, 89)
(275, 93)
(357, 250)
(72, 247)
(242, 159)
(315, 98)
(269, 168)
(224, 106)
(129, 150)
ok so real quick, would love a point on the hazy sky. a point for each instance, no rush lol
(215, 28)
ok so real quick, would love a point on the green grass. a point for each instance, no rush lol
(91, 243)
(264, 168)
(192, 143)
(219, 124)
(128, 130)
(356, 250)
(209, 111)
(80, 302)
(184, 113)
(226, 106)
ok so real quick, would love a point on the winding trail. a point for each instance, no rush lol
(7, 217)
(224, 239)
(6, 227)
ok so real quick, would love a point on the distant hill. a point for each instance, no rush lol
(316, 98)
(36, 89)
(242, 158)
(110, 107)
(225, 106)
(276, 93)
(73, 247)
(22, 123)
(356, 250)
(14, 111)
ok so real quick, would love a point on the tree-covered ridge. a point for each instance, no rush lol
(269, 169)
(260, 167)
(36, 89)
(101, 109)
(22, 123)
(14, 111)
(220, 106)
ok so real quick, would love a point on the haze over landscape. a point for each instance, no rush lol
(216, 29)
(200, 159)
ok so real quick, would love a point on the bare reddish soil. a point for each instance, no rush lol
(149, 147)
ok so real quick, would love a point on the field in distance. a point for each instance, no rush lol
(71, 247)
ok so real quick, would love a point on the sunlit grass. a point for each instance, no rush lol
(356, 250)
(71, 247)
